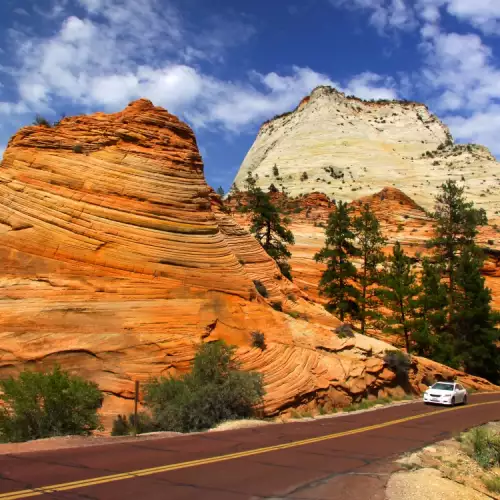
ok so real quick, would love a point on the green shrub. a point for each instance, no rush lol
(260, 287)
(144, 423)
(77, 148)
(344, 330)
(294, 314)
(258, 340)
(40, 120)
(484, 446)
(277, 305)
(39, 405)
(492, 483)
(121, 426)
(215, 390)
(398, 362)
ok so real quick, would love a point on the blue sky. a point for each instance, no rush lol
(225, 66)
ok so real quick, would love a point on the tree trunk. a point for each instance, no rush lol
(405, 328)
(268, 235)
(341, 283)
(451, 292)
(363, 297)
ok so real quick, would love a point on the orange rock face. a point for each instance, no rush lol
(117, 263)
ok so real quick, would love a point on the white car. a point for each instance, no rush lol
(445, 393)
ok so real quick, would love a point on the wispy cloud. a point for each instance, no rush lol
(459, 74)
(120, 50)
(383, 14)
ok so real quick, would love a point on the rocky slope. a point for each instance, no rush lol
(347, 148)
(117, 262)
(401, 219)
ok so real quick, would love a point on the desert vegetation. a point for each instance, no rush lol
(38, 405)
(442, 309)
(215, 390)
(269, 224)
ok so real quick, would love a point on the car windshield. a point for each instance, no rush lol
(442, 387)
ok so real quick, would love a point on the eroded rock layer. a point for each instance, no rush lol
(347, 148)
(117, 263)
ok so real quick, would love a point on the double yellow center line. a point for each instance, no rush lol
(15, 495)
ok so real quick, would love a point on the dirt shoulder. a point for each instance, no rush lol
(449, 470)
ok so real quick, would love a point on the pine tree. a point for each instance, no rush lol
(339, 249)
(398, 293)
(220, 191)
(370, 243)
(235, 192)
(430, 325)
(269, 225)
(456, 227)
(474, 322)
(468, 338)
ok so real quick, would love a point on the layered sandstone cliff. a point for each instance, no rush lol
(348, 148)
(117, 263)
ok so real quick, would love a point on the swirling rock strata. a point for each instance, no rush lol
(116, 264)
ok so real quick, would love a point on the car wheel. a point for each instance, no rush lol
(465, 400)
(453, 401)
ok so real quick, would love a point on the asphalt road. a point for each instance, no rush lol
(348, 457)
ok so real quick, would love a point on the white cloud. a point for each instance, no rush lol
(384, 14)
(20, 12)
(462, 67)
(481, 127)
(110, 57)
(236, 105)
(403, 14)
(483, 14)
(372, 86)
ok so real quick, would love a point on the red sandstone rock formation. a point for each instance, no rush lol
(115, 266)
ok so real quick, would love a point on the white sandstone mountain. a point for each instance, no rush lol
(348, 148)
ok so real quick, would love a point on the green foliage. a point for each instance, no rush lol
(483, 445)
(276, 172)
(370, 244)
(399, 363)
(39, 405)
(144, 423)
(258, 340)
(475, 334)
(260, 287)
(431, 306)
(344, 331)
(78, 148)
(456, 227)
(398, 293)
(269, 225)
(463, 333)
(121, 426)
(304, 176)
(492, 483)
(214, 391)
(277, 305)
(40, 120)
(336, 281)
(220, 191)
